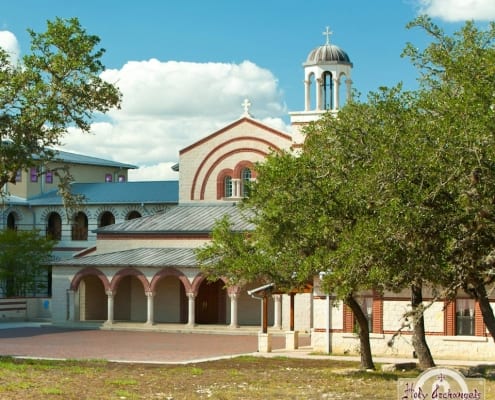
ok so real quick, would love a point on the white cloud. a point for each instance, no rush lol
(9, 43)
(169, 105)
(459, 10)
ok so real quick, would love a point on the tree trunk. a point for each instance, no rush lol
(486, 309)
(425, 358)
(364, 334)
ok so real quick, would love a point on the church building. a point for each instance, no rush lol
(144, 272)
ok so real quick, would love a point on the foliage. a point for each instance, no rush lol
(23, 257)
(458, 97)
(56, 86)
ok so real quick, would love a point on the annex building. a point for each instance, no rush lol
(142, 271)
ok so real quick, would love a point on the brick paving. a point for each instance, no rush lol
(130, 346)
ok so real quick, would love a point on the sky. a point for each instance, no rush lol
(185, 67)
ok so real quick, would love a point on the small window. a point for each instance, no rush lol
(366, 304)
(121, 178)
(18, 176)
(464, 317)
(246, 181)
(33, 172)
(54, 226)
(107, 218)
(133, 215)
(227, 184)
(11, 222)
(49, 176)
(80, 227)
(108, 178)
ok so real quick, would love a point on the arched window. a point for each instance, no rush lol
(54, 226)
(11, 222)
(80, 227)
(133, 215)
(106, 218)
(227, 186)
(327, 91)
(246, 181)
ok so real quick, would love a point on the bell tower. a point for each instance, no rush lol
(327, 82)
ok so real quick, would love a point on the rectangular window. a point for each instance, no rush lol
(121, 178)
(108, 178)
(33, 172)
(366, 304)
(49, 177)
(464, 317)
(18, 176)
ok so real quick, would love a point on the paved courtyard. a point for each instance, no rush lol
(132, 346)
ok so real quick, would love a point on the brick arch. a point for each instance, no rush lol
(74, 285)
(213, 151)
(165, 272)
(199, 279)
(129, 272)
(264, 154)
(244, 164)
(49, 210)
(18, 214)
(220, 181)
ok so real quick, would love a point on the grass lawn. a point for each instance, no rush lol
(238, 378)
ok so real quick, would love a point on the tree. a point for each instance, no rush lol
(55, 87)
(297, 215)
(23, 257)
(458, 83)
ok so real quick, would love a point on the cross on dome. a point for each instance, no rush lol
(328, 33)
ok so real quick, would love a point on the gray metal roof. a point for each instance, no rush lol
(187, 218)
(142, 257)
(116, 193)
(74, 158)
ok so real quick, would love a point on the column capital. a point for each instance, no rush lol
(150, 294)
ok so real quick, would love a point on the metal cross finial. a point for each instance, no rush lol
(246, 104)
(328, 32)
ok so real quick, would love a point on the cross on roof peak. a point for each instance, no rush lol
(328, 33)
(246, 104)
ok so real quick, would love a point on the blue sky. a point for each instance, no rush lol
(185, 66)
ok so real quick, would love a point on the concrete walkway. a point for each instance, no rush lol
(42, 340)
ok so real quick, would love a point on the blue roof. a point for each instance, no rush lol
(116, 193)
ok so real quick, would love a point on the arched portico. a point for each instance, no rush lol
(170, 303)
(129, 291)
(86, 295)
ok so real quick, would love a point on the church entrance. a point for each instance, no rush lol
(211, 303)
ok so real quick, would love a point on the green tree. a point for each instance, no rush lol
(458, 83)
(54, 87)
(23, 259)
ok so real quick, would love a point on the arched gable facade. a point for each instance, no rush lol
(212, 160)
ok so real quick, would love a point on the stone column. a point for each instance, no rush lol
(150, 310)
(277, 314)
(319, 94)
(71, 305)
(307, 94)
(110, 296)
(348, 84)
(233, 310)
(336, 90)
(191, 310)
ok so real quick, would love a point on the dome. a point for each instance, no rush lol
(328, 53)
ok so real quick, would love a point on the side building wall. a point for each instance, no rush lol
(391, 334)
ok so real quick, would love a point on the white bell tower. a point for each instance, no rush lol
(327, 82)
